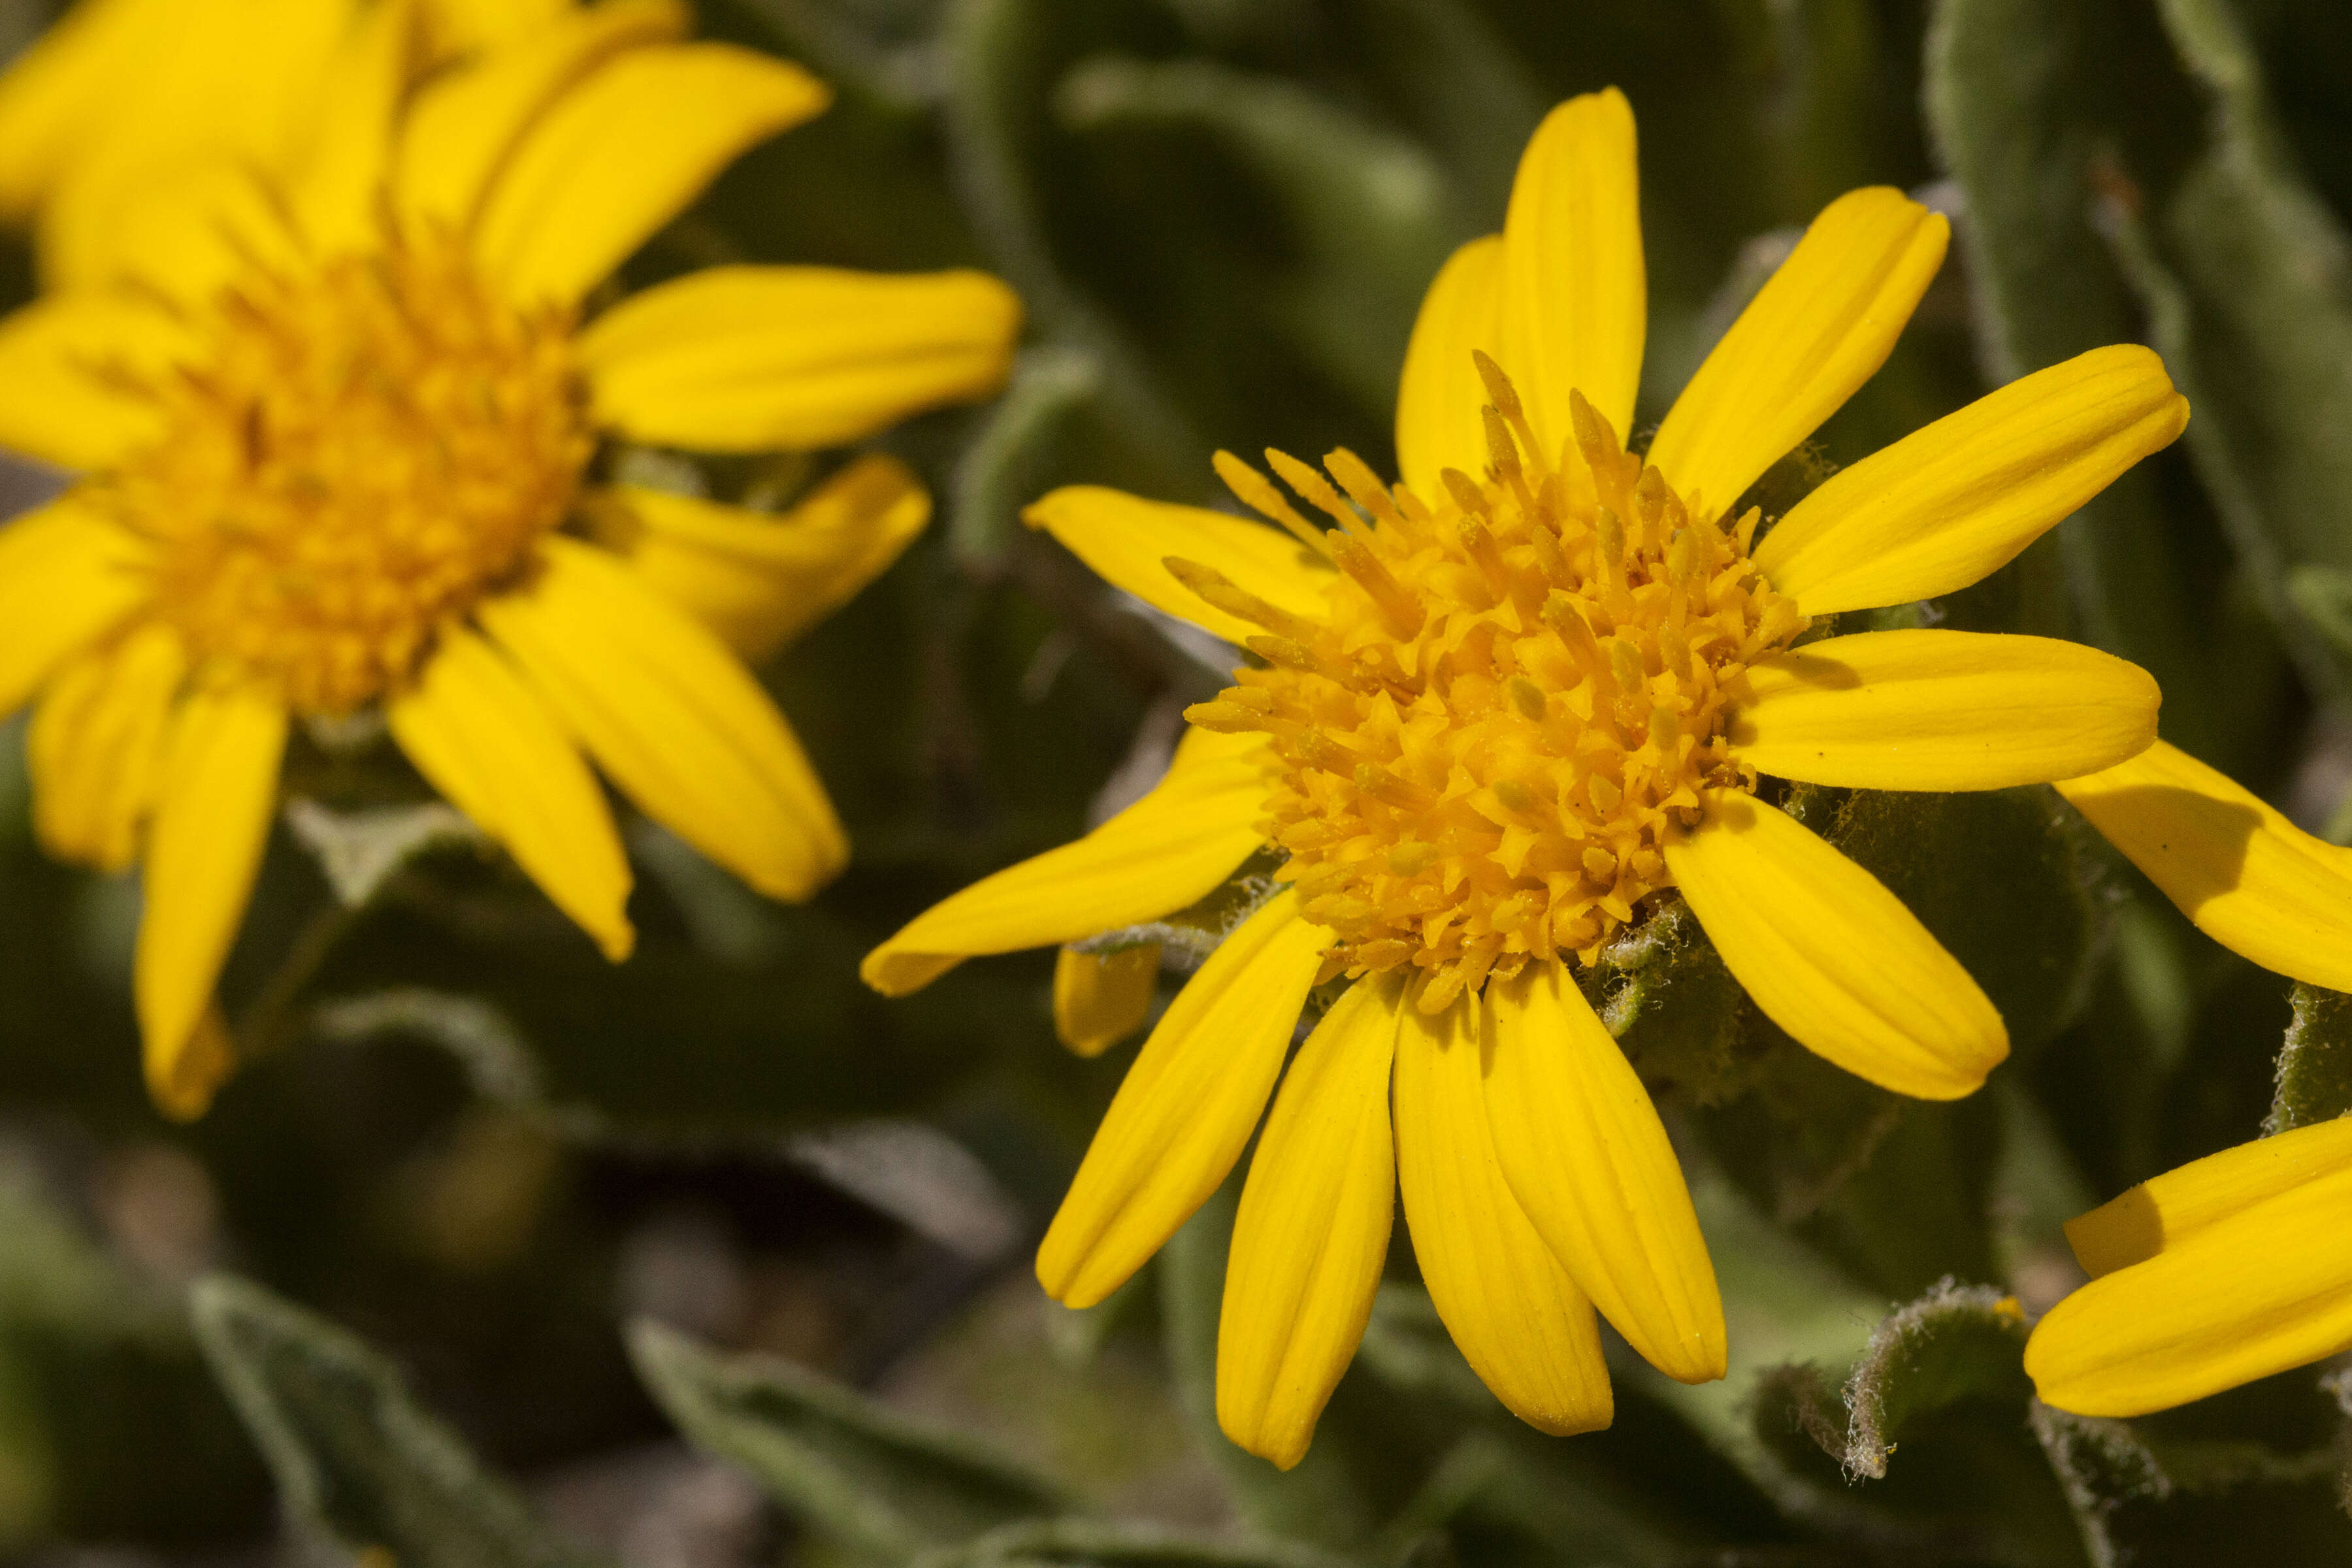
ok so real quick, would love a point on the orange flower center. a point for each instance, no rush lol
(357, 453)
(1514, 698)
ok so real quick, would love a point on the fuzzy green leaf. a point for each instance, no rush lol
(2314, 1064)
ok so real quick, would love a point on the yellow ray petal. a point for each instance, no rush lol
(459, 27)
(66, 576)
(1312, 1231)
(2265, 1288)
(1820, 327)
(1100, 998)
(66, 361)
(1582, 1150)
(185, 232)
(1940, 711)
(2168, 1210)
(212, 823)
(668, 712)
(1438, 395)
(1957, 501)
(336, 193)
(50, 95)
(760, 581)
(1169, 850)
(1127, 541)
(749, 359)
(1575, 295)
(1521, 1323)
(622, 153)
(2246, 876)
(1831, 955)
(95, 748)
(1186, 1107)
(481, 737)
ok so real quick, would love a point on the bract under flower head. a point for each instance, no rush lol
(1557, 637)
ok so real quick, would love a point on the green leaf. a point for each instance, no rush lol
(2314, 1065)
(353, 1454)
(1080, 1543)
(1681, 1017)
(880, 1482)
(999, 471)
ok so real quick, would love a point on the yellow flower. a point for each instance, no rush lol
(337, 409)
(2234, 1267)
(1499, 707)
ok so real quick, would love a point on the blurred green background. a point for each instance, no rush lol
(563, 1213)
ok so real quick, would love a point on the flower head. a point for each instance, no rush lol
(1499, 711)
(336, 393)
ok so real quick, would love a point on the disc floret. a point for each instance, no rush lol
(355, 452)
(1516, 696)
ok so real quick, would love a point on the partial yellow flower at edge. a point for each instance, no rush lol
(1100, 998)
(439, 536)
(1495, 711)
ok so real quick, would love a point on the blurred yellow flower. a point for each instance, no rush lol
(1499, 707)
(322, 358)
(2234, 1267)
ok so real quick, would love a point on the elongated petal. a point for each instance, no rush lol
(1575, 295)
(760, 581)
(1100, 998)
(622, 153)
(463, 126)
(1582, 1150)
(455, 28)
(1186, 1107)
(50, 95)
(64, 361)
(667, 711)
(1311, 1233)
(66, 576)
(1819, 328)
(1169, 850)
(212, 823)
(2246, 876)
(2262, 1288)
(1520, 1322)
(1941, 710)
(336, 194)
(185, 232)
(1128, 541)
(2165, 1210)
(482, 738)
(95, 747)
(1438, 395)
(749, 359)
(1957, 501)
(1831, 955)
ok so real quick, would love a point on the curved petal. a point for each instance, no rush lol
(622, 153)
(1128, 541)
(51, 95)
(1186, 1107)
(479, 736)
(454, 28)
(66, 577)
(1576, 297)
(2165, 1210)
(462, 127)
(336, 192)
(1100, 998)
(1820, 327)
(69, 366)
(670, 715)
(2266, 1288)
(1517, 1317)
(1169, 850)
(2241, 872)
(95, 748)
(1311, 1233)
(759, 581)
(1585, 1152)
(1955, 502)
(750, 359)
(1940, 711)
(1831, 955)
(212, 823)
(1439, 396)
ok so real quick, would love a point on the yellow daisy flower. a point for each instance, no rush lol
(2233, 1266)
(337, 412)
(1500, 706)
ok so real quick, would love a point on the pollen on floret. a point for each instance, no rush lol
(360, 450)
(1514, 698)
